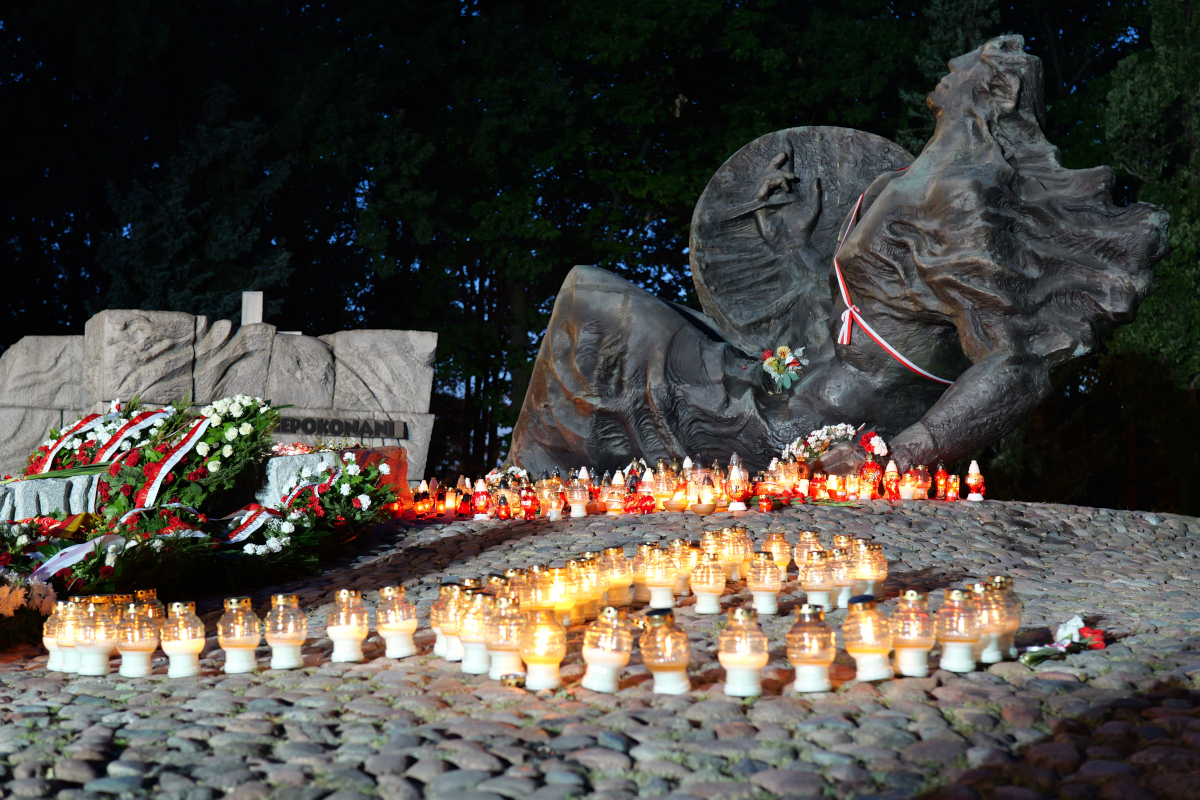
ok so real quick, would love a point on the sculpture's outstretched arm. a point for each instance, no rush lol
(993, 395)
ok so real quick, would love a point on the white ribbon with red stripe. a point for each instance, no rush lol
(148, 493)
(72, 555)
(135, 425)
(852, 315)
(251, 518)
(292, 495)
(131, 512)
(83, 426)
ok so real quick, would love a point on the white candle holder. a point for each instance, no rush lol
(54, 663)
(399, 642)
(819, 598)
(454, 648)
(958, 656)
(742, 681)
(183, 657)
(912, 662)
(662, 596)
(578, 510)
(869, 587)
(908, 492)
(554, 514)
(475, 660)
(135, 664)
(812, 678)
(481, 517)
(737, 505)
(708, 603)
(93, 658)
(239, 660)
(844, 593)
(439, 642)
(671, 681)
(504, 662)
(70, 662)
(681, 585)
(974, 497)
(286, 656)
(641, 592)
(542, 676)
(1008, 646)
(619, 596)
(872, 667)
(347, 644)
(989, 651)
(766, 602)
(603, 669)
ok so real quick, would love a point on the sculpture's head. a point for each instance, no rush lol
(1002, 75)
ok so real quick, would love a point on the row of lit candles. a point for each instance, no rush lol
(701, 490)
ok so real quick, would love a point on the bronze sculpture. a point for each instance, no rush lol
(983, 263)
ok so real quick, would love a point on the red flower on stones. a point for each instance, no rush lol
(106, 571)
(1092, 637)
(865, 441)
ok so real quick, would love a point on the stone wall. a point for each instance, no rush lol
(165, 356)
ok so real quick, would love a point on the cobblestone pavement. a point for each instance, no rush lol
(1117, 724)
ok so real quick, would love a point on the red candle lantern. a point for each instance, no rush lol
(952, 488)
(764, 503)
(940, 480)
(502, 509)
(891, 481)
(481, 500)
(869, 476)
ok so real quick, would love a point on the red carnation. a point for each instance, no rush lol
(1092, 637)
(106, 572)
(5, 558)
(127, 490)
(45, 448)
(767, 354)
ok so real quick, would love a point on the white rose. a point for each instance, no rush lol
(235, 410)
(215, 420)
(214, 466)
(231, 434)
(366, 501)
(206, 411)
(384, 469)
(287, 527)
(202, 449)
(294, 515)
(22, 540)
(265, 409)
(222, 405)
(246, 429)
(353, 469)
(227, 450)
(344, 489)
(263, 550)
(125, 445)
(285, 540)
(274, 545)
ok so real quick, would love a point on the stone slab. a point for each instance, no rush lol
(26, 499)
(43, 372)
(383, 370)
(145, 353)
(282, 469)
(232, 364)
(21, 431)
(301, 372)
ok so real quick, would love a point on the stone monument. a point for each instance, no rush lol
(933, 296)
(372, 386)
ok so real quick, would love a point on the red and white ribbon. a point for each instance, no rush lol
(135, 425)
(83, 426)
(148, 493)
(72, 555)
(131, 512)
(251, 518)
(321, 486)
(852, 314)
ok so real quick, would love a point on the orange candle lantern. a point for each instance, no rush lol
(891, 481)
(952, 488)
(941, 480)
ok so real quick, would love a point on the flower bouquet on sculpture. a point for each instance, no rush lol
(820, 441)
(783, 365)
(97, 438)
(339, 502)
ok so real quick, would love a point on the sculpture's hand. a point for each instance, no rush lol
(774, 179)
(843, 459)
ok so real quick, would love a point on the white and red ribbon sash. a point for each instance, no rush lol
(138, 423)
(852, 314)
(252, 517)
(148, 493)
(83, 426)
(133, 511)
(321, 486)
(73, 555)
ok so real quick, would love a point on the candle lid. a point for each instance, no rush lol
(471, 583)
(660, 617)
(912, 596)
(284, 600)
(955, 595)
(392, 592)
(237, 604)
(1001, 581)
(862, 602)
(146, 594)
(514, 572)
(347, 596)
(743, 615)
(809, 613)
(179, 608)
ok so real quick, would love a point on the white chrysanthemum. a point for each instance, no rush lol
(250, 548)
(214, 466)
(227, 450)
(274, 545)
(125, 445)
(246, 429)
(344, 489)
(231, 434)
(385, 469)
(306, 472)
(236, 410)
(202, 449)
(349, 458)
(353, 469)
(287, 527)
(323, 468)
(110, 555)
(878, 446)
(294, 515)
(366, 501)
